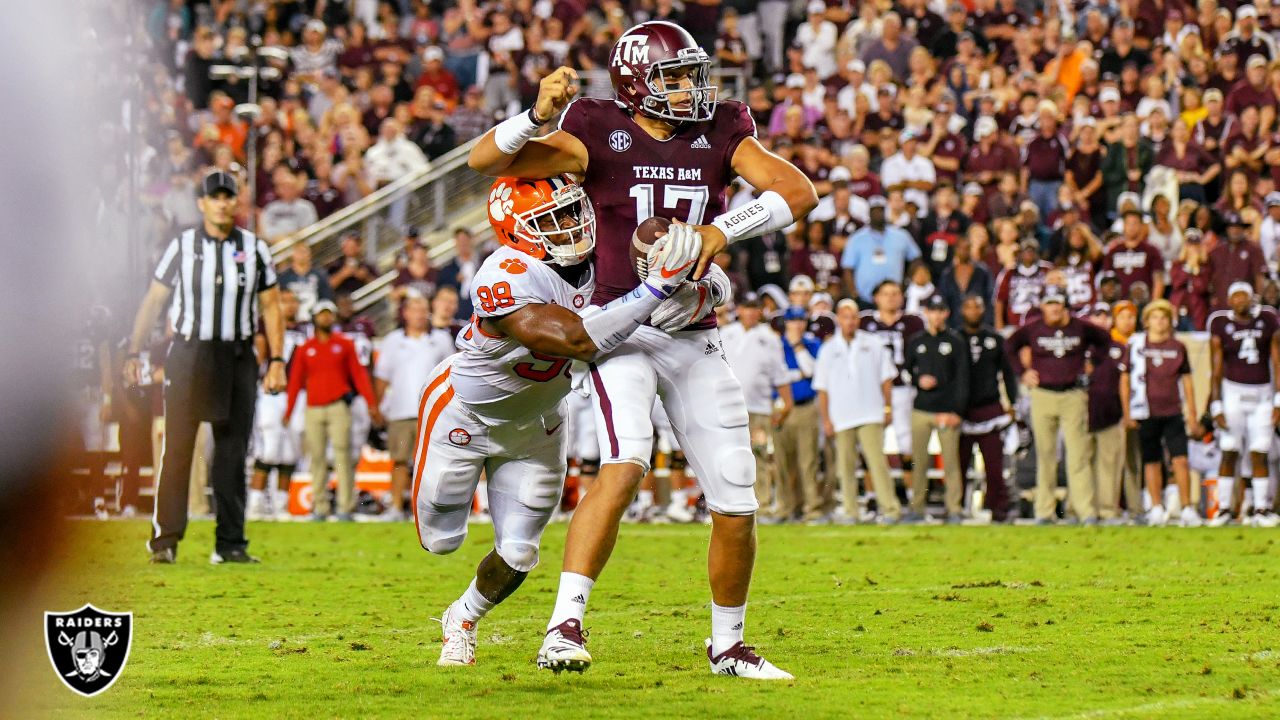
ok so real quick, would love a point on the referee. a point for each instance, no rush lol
(220, 277)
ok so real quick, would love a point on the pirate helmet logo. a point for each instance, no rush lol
(88, 647)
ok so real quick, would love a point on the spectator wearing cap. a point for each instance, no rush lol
(941, 229)
(818, 36)
(876, 253)
(909, 172)
(328, 367)
(987, 413)
(1158, 398)
(1193, 166)
(1269, 233)
(1135, 260)
(893, 46)
(1044, 160)
(1128, 161)
(960, 27)
(1189, 282)
(796, 439)
(1254, 91)
(810, 115)
(289, 213)
(973, 203)
(1122, 50)
(989, 159)
(438, 77)
(754, 352)
(1019, 289)
(350, 272)
(800, 293)
(1105, 452)
(316, 54)
(854, 380)
(1059, 345)
(938, 362)
(1216, 126)
(964, 278)
(1245, 41)
(1239, 259)
(411, 240)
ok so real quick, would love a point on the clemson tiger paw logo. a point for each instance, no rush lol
(500, 202)
(515, 266)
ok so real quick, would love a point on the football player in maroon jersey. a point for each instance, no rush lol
(662, 147)
(1244, 346)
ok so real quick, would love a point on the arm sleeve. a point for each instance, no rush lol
(167, 269)
(849, 257)
(267, 278)
(913, 250)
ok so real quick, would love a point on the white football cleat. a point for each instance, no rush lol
(680, 513)
(1156, 516)
(565, 648)
(1265, 519)
(1191, 518)
(1222, 519)
(742, 661)
(459, 638)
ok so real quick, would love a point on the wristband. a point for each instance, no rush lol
(765, 214)
(609, 326)
(1215, 408)
(275, 360)
(511, 134)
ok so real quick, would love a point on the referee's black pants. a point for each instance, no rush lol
(214, 382)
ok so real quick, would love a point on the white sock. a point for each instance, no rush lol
(1261, 486)
(726, 627)
(255, 499)
(679, 498)
(645, 498)
(1225, 487)
(571, 600)
(472, 605)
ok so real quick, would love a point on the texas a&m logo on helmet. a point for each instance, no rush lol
(658, 70)
(551, 220)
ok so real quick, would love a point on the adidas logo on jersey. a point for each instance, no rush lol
(711, 349)
(700, 144)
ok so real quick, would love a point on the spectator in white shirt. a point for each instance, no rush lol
(289, 212)
(818, 37)
(394, 155)
(910, 172)
(1269, 233)
(854, 380)
(406, 359)
(754, 352)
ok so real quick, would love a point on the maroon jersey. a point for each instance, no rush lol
(1134, 264)
(632, 176)
(362, 332)
(1155, 369)
(895, 336)
(1246, 346)
(1019, 288)
(1057, 353)
(1079, 275)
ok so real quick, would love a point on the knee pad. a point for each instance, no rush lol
(732, 492)
(521, 556)
(442, 530)
(438, 545)
(1228, 442)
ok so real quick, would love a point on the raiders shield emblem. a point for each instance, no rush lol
(88, 647)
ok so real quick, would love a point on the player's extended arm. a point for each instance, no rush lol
(152, 303)
(273, 319)
(1215, 381)
(785, 194)
(506, 149)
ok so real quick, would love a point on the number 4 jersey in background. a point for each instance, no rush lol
(499, 379)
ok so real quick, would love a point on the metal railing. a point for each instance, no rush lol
(447, 195)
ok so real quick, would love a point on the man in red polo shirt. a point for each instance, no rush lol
(329, 368)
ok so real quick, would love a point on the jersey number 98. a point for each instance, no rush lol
(495, 296)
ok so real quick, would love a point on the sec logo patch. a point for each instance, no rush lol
(619, 140)
(515, 266)
(458, 436)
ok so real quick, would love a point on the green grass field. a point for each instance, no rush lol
(939, 622)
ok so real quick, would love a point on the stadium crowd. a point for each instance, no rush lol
(986, 169)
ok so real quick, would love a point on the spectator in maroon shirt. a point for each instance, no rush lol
(988, 159)
(1238, 195)
(350, 272)
(1216, 126)
(1135, 260)
(1194, 167)
(1044, 160)
(1245, 148)
(1084, 173)
(862, 182)
(1189, 282)
(973, 203)
(1237, 259)
(1253, 91)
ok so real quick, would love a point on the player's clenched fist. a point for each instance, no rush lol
(673, 257)
(554, 92)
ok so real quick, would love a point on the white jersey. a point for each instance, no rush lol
(499, 379)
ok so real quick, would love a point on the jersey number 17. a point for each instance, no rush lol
(672, 195)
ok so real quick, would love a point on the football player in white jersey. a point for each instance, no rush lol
(276, 446)
(498, 406)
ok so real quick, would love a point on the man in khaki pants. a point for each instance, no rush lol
(854, 380)
(754, 352)
(1106, 449)
(328, 367)
(1059, 344)
(938, 361)
(796, 441)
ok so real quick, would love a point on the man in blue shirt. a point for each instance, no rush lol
(795, 443)
(876, 253)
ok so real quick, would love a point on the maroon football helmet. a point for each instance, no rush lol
(650, 54)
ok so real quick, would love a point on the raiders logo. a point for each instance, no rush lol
(579, 301)
(619, 140)
(88, 647)
(458, 436)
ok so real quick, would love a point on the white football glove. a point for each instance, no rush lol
(693, 301)
(673, 257)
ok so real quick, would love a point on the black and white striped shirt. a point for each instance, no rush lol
(216, 283)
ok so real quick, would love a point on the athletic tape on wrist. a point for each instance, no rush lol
(612, 324)
(511, 134)
(767, 213)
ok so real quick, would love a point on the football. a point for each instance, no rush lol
(642, 242)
